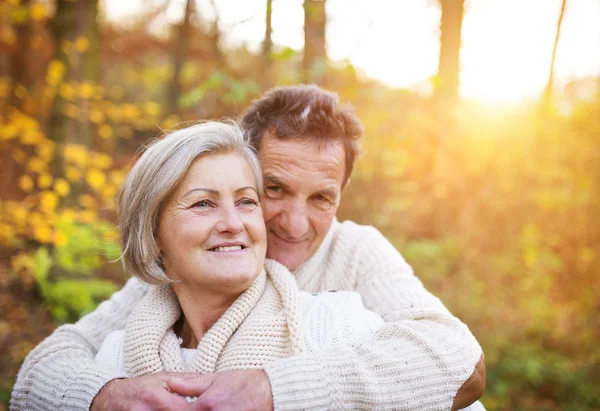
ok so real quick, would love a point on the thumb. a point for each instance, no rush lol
(192, 385)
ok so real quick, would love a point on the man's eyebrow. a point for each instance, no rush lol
(274, 180)
(328, 192)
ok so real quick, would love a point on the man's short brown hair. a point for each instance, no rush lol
(305, 111)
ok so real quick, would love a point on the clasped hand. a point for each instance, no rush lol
(227, 390)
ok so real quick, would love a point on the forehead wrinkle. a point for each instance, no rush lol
(281, 160)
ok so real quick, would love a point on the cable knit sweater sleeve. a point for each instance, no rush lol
(60, 373)
(422, 358)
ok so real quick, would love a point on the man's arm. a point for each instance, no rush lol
(60, 373)
(422, 358)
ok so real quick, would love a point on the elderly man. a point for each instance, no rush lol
(422, 358)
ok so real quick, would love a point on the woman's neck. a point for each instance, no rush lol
(200, 313)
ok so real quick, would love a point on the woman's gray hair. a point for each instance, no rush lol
(155, 176)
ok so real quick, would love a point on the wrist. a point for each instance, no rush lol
(101, 401)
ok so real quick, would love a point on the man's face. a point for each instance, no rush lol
(303, 185)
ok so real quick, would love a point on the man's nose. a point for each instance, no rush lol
(294, 220)
(230, 221)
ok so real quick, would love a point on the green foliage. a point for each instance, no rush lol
(62, 274)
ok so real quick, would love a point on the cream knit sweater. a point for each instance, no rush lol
(417, 360)
(271, 320)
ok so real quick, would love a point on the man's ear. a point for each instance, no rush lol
(347, 184)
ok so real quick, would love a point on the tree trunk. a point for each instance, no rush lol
(74, 20)
(180, 48)
(267, 47)
(548, 91)
(315, 20)
(19, 60)
(446, 90)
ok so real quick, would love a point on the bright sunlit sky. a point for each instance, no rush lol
(506, 44)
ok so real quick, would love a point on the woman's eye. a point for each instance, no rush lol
(248, 201)
(201, 204)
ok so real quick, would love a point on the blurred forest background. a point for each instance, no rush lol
(495, 206)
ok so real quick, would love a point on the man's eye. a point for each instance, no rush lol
(274, 189)
(322, 199)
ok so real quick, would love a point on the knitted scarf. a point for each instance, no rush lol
(262, 325)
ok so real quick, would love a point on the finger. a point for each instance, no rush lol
(190, 386)
(160, 400)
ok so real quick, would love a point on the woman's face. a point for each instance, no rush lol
(211, 231)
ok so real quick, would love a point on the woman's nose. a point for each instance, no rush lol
(230, 221)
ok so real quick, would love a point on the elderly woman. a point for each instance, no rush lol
(191, 225)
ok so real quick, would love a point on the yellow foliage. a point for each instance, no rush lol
(101, 160)
(21, 261)
(36, 219)
(81, 44)
(32, 137)
(152, 108)
(95, 178)
(440, 191)
(36, 165)
(586, 254)
(42, 233)
(105, 131)
(55, 73)
(71, 110)
(117, 177)
(37, 12)
(19, 214)
(68, 215)
(26, 183)
(130, 112)
(108, 192)
(76, 154)
(87, 216)
(8, 132)
(59, 239)
(20, 91)
(45, 149)
(86, 90)
(99, 93)
(170, 122)
(48, 201)
(116, 92)
(7, 35)
(44, 181)
(72, 173)
(67, 47)
(19, 156)
(87, 201)
(67, 91)
(62, 187)
(96, 116)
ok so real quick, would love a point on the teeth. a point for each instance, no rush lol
(232, 248)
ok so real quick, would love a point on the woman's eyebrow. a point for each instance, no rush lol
(207, 190)
(217, 192)
(239, 190)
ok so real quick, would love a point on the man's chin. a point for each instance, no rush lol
(290, 261)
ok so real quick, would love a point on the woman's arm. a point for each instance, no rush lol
(60, 373)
